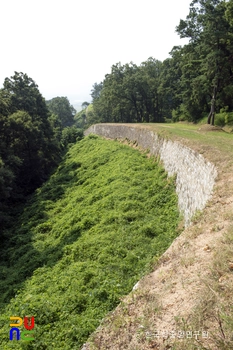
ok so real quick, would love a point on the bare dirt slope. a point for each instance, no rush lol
(186, 301)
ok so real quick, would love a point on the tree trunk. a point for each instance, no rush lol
(212, 108)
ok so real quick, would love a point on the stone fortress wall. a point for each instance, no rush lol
(195, 177)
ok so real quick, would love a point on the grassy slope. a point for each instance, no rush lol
(83, 241)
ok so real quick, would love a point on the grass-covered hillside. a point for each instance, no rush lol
(82, 242)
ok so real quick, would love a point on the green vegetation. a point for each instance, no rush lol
(85, 117)
(94, 228)
(63, 110)
(83, 240)
(33, 137)
(195, 82)
(220, 140)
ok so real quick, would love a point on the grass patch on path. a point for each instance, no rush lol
(197, 134)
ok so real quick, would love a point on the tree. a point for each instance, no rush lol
(61, 107)
(130, 94)
(24, 95)
(85, 105)
(95, 92)
(208, 31)
(229, 12)
(169, 89)
(71, 135)
(23, 138)
(28, 148)
(151, 98)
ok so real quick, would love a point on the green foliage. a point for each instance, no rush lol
(194, 82)
(86, 117)
(61, 107)
(220, 119)
(175, 115)
(224, 118)
(229, 118)
(23, 94)
(130, 94)
(85, 105)
(83, 241)
(56, 126)
(71, 135)
(80, 119)
(206, 60)
(96, 90)
(28, 147)
(180, 114)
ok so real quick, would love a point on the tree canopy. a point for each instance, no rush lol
(195, 81)
(61, 107)
(31, 139)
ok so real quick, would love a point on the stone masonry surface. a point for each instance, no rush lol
(195, 177)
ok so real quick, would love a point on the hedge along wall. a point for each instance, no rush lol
(195, 177)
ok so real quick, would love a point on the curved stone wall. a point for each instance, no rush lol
(195, 177)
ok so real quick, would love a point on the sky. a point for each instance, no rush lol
(67, 46)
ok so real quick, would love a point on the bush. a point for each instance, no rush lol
(71, 135)
(229, 118)
(220, 119)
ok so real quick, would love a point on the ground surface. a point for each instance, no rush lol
(186, 301)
